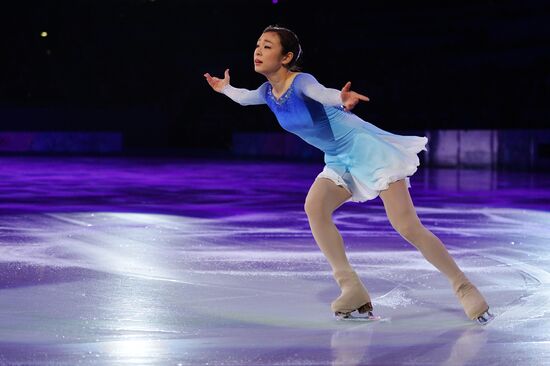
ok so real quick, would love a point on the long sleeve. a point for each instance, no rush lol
(245, 96)
(311, 88)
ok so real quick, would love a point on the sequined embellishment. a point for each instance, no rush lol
(283, 97)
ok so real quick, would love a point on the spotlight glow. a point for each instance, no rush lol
(43, 34)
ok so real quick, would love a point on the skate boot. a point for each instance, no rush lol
(354, 295)
(472, 300)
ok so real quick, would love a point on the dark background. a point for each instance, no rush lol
(137, 66)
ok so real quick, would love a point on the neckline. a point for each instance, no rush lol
(284, 94)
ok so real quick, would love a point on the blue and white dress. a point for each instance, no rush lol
(359, 156)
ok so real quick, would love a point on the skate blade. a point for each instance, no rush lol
(348, 316)
(485, 318)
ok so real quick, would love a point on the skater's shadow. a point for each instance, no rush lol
(467, 346)
(351, 346)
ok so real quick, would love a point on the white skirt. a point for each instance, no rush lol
(359, 192)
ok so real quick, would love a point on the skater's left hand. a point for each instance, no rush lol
(351, 98)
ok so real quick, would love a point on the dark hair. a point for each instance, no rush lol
(290, 43)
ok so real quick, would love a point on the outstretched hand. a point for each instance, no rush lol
(351, 98)
(216, 83)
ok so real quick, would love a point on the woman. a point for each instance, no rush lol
(362, 161)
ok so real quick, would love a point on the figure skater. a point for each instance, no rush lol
(362, 161)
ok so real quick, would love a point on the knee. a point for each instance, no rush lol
(410, 230)
(315, 209)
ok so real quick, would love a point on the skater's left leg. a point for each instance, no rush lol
(403, 218)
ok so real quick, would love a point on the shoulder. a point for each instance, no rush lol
(304, 76)
(306, 83)
(262, 89)
(304, 79)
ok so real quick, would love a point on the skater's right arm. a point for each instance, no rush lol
(239, 95)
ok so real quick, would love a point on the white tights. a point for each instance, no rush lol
(325, 196)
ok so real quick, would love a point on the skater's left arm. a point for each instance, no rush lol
(347, 98)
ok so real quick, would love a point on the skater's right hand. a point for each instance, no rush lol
(216, 83)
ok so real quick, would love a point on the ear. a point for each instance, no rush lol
(288, 57)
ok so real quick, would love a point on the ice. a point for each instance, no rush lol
(143, 268)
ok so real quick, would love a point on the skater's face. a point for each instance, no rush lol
(268, 54)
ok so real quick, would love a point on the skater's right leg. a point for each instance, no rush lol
(322, 199)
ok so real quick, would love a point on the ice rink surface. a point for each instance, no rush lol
(127, 261)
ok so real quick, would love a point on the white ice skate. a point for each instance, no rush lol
(368, 317)
(485, 318)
